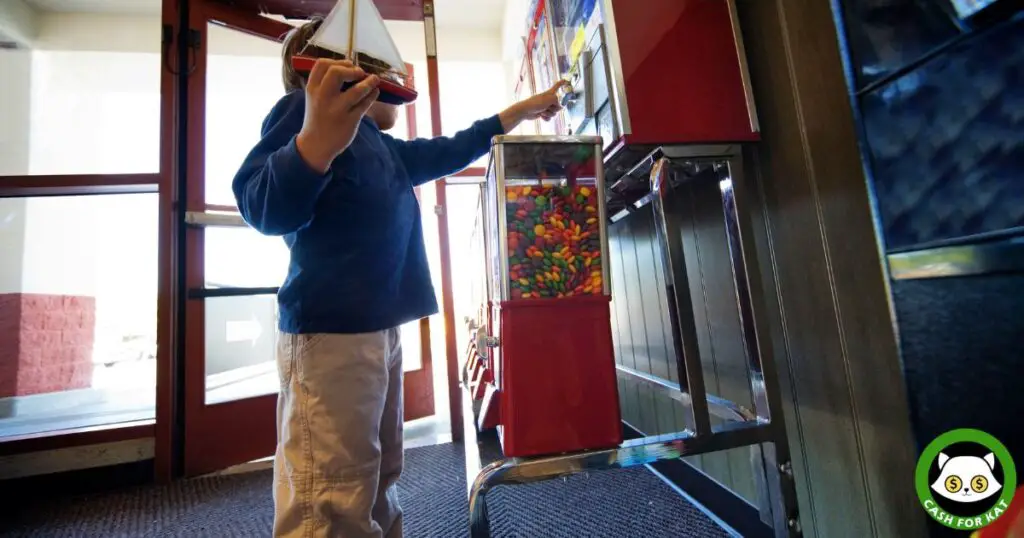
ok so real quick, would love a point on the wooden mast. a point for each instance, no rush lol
(353, 56)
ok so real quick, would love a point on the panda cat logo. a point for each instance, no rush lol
(966, 479)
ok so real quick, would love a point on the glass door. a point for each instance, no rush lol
(232, 272)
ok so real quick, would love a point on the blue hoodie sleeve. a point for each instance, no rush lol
(429, 159)
(275, 189)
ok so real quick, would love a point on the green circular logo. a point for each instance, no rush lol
(965, 479)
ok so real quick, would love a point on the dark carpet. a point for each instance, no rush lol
(613, 504)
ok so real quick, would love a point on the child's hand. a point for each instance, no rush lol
(546, 104)
(332, 116)
(543, 105)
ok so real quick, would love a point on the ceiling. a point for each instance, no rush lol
(450, 13)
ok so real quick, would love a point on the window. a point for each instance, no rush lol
(243, 83)
(471, 91)
(241, 332)
(467, 257)
(241, 342)
(78, 305)
(243, 258)
(86, 100)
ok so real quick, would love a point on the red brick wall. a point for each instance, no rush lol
(45, 343)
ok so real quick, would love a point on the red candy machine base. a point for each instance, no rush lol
(558, 387)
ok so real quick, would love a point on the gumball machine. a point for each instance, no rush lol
(548, 338)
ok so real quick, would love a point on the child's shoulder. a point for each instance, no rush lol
(289, 108)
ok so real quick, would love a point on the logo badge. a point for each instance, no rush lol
(965, 479)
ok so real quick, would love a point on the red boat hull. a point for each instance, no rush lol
(390, 92)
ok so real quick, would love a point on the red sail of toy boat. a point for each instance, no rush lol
(354, 28)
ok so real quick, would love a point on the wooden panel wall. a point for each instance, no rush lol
(845, 400)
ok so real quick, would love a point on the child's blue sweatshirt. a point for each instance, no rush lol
(358, 263)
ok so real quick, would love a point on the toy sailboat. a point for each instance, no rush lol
(355, 30)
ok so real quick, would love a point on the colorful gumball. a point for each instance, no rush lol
(554, 242)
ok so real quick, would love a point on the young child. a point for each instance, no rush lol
(340, 191)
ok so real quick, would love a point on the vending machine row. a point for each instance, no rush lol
(659, 97)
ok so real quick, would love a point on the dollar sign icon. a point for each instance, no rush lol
(953, 484)
(979, 484)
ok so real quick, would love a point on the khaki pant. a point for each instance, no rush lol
(339, 436)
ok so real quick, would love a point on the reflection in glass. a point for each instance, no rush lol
(885, 35)
(945, 150)
(78, 301)
(241, 346)
(572, 18)
(967, 8)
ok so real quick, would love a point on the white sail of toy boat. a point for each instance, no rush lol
(355, 26)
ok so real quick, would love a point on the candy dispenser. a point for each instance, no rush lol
(672, 73)
(549, 336)
(541, 54)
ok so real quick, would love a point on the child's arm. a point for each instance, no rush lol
(275, 189)
(427, 160)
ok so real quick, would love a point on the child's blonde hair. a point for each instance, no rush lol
(297, 42)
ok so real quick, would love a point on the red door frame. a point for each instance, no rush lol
(168, 349)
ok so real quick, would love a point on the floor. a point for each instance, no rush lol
(612, 504)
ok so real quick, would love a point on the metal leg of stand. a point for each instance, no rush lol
(764, 380)
(667, 225)
(479, 522)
